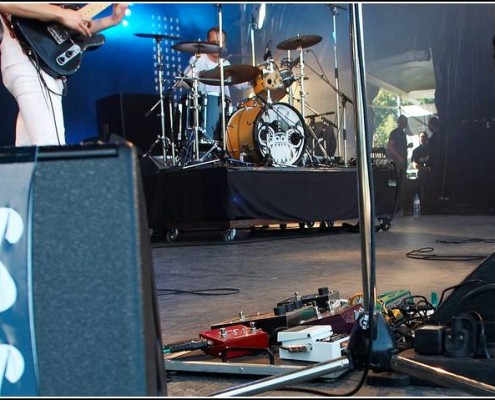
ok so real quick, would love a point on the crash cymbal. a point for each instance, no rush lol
(232, 74)
(299, 41)
(197, 47)
(157, 36)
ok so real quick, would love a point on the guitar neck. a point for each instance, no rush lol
(92, 9)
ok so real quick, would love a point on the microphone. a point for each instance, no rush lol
(294, 63)
(268, 53)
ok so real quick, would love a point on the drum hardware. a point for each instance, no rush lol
(233, 74)
(222, 76)
(299, 43)
(197, 47)
(161, 138)
(157, 36)
(334, 9)
(257, 20)
(342, 101)
(214, 148)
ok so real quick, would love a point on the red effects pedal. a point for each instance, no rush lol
(235, 340)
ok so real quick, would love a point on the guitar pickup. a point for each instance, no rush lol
(68, 54)
(58, 33)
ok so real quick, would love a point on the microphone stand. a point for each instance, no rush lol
(334, 35)
(222, 77)
(341, 97)
(252, 27)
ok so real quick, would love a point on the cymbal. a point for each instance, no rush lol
(232, 74)
(197, 47)
(299, 41)
(157, 36)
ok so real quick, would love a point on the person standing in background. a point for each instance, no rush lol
(397, 150)
(420, 160)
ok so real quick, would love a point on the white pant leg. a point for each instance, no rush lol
(40, 121)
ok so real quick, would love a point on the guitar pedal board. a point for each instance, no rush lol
(322, 298)
(281, 317)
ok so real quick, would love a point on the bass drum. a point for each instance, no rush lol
(277, 131)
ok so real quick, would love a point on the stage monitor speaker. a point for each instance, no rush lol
(471, 294)
(126, 115)
(96, 320)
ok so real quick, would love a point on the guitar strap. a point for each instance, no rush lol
(9, 25)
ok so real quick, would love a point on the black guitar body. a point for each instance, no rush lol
(56, 49)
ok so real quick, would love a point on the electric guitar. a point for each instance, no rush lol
(57, 49)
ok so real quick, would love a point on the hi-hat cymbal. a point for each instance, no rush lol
(299, 41)
(197, 47)
(157, 36)
(232, 75)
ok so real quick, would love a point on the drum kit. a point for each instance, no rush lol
(262, 130)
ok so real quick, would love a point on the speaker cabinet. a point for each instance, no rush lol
(128, 115)
(96, 320)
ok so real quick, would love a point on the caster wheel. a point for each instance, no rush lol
(229, 235)
(172, 235)
(385, 225)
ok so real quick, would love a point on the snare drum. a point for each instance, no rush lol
(278, 130)
(270, 80)
(288, 77)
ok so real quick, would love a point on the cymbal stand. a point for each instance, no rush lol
(195, 96)
(291, 91)
(337, 91)
(302, 92)
(222, 77)
(161, 138)
(341, 99)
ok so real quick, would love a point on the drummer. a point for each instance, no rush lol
(209, 61)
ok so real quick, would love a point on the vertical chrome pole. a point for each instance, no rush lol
(365, 187)
(160, 93)
(222, 77)
(336, 74)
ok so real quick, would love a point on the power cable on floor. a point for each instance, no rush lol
(200, 292)
(463, 241)
(420, 254)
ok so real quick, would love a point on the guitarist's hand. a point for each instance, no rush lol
(74, 20)
(118, 14)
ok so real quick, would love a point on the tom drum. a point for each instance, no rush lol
(270, 81)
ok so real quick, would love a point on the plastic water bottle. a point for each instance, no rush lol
(416, 206)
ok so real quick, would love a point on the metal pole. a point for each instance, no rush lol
(160, 93)
(222, 77)
(337, 95)
(279, 381)
(366, 195)
(441, 377)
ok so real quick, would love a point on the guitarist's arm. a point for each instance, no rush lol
(49, 12)
(118, 14)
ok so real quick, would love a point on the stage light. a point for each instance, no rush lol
(259, 15)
